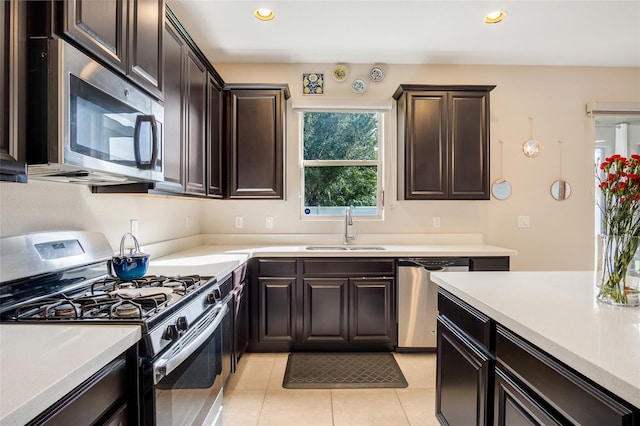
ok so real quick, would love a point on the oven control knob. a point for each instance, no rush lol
(182, 324)
(212, 298)
(171, 333)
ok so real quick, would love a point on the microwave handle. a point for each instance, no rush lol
(136, 141)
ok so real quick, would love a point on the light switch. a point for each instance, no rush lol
(523, 221)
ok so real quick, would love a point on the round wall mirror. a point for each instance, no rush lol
(501, 189)
(560, 190)
(531, 148)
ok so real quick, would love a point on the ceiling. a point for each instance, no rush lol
(535, 32)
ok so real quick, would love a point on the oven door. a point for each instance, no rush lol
(189, 376)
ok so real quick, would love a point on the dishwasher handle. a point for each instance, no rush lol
(435, 264)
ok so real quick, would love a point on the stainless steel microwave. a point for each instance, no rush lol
(87, 124)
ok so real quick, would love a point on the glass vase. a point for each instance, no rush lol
(618, 270)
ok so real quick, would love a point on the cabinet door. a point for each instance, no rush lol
(99, 26)
(174, 50)
(214, 156)
(463, 380)
(325, 310)
(468, 136)
(514, 406)
(372, 310)
(146, 23)
(4, 77)
(256, 145)
(195, 93)
(425, 145)
(277, 310)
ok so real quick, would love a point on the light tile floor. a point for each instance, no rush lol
(255, 397)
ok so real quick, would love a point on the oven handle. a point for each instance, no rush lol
(164, 366)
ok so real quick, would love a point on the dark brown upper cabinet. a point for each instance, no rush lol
(214, 135)
(12, 88)
(195, 95)
(126, 34)
(443, 142)
(174, 152)
(255, 137)
(192, 163)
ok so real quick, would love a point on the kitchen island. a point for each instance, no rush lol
(556, 315)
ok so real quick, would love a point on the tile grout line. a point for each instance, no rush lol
(266, 389)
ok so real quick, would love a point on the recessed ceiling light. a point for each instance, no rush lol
(264, 14)
(494, 17)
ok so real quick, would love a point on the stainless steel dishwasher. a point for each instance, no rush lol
(417, 299)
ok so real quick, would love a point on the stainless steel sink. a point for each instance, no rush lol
(343, 248)
(365, 248)
(325, 248)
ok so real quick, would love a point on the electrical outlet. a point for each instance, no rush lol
(239, 222)
(436, 221)
(133, 227)
(268, 222)
(523, 221)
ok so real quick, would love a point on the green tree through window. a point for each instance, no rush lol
(341, 162)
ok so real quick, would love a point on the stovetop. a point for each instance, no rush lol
(113, 299)
(63, 277)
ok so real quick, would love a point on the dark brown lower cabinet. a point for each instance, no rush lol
(109, 397)
(277, 310)
(320, 304)
(372, 313)
(464, 374)
(497, 263)
(325, 317)
(514, 406)
(486, 374)
(546, 382)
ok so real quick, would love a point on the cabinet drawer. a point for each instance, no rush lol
(514, 405)
(489, 263)
(574, 397)
(276, 267)
(351, 267)
(475, 324)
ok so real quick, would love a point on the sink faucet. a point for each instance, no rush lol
(349, 227)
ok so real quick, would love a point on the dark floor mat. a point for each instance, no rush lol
(338, 370)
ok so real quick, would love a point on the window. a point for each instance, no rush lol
(342, 163)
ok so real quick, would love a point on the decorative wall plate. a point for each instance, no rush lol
(340, 73)
(376, 73)
(313, 84)
(359, 85)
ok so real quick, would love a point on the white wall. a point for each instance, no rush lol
(560, 236)
(46, 206)
(561, 233)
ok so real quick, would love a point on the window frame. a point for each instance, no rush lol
(379, 163)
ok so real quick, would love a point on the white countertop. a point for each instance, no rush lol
(558, 312)
(39, 364)
(213, 259)
(206, 261)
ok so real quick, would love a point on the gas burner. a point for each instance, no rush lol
(64, 310)
(127, 285)
(126, 310)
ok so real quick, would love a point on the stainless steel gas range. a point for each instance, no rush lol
(186, 351)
